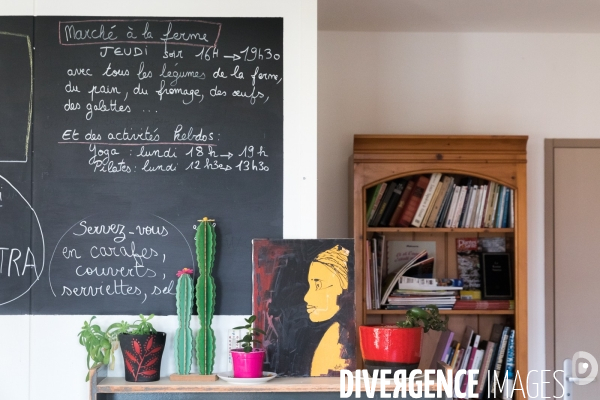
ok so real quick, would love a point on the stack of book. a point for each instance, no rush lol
(413, 292)
(488, 358)
(437, 201)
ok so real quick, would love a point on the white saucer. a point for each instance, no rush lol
(228, 377)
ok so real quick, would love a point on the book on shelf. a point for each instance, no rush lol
(497, 280)
(436, 193)
(487, 349)
(495, 202)
(489, 363)
(442, 349)
(482, 205)
(484, 305)
(507, 210)
(445, 184)
(512, 209)
(402, 202)
(413, 201)
(379, 266)
(467, 260)
(459, 206)
(510, 367)
(369, 277)
(452, 209)
(375, 275)
(449, 356)
(391, 186)
(392, 203)
(501, 207)
(497, 375)
(374, 203)
(440, 220)
(371, 197)
(470, 294)
(426, 199)
(469, 359)
(456, 355)
(472, 201)
(468, 198)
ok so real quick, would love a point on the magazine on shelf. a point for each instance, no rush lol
(391, 280)
(399, 252)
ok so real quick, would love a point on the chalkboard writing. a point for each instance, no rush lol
(142, 127)
(21, 267)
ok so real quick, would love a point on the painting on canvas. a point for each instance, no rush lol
(303, 297)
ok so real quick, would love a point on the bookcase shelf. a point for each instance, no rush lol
(446, 312)
(440, 230)
(500, 159)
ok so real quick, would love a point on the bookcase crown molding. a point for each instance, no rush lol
(440, 148)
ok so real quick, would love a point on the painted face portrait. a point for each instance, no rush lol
(327, 279)
(304, 296)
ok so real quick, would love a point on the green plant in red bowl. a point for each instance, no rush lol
(398, 346)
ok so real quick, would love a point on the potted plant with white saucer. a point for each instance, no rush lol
(248, 359)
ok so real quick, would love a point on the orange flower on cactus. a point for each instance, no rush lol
(185, 271)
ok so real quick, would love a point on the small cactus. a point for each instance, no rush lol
(183, 335)
(205, 295)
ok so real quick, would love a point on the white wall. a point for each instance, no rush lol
(40, 358)
(541, 85)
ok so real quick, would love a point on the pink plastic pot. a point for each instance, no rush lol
(247, 365)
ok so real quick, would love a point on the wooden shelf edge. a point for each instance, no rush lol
(449, 312)
(164, 385)
(277, 385)
(441, 230)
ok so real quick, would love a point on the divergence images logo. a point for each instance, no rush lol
(582, 367)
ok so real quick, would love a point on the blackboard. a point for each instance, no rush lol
(141, 127)
(16, 81)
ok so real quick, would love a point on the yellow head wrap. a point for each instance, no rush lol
(336, 259)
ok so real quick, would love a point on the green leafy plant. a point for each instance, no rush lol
(102, 344)
(141, 326)
(428, 317)
(249, 340)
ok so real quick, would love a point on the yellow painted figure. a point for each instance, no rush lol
(328, 278)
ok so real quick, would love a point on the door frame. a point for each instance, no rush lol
(550, 145)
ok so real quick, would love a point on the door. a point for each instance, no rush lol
(573, 260)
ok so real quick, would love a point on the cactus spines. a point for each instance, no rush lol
(184, 342)
(205, 295)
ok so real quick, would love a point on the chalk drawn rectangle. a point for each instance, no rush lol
(16, 91)
(109, 32)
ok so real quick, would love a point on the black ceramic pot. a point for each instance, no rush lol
(142, 355)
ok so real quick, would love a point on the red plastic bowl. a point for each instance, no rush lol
(391, 347)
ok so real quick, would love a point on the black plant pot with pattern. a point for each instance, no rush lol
(142, 355)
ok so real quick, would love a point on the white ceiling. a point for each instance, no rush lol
(577, 16)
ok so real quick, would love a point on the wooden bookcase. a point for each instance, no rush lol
(381, 158)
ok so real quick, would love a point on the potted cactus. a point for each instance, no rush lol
(398, 346)
(248, 360)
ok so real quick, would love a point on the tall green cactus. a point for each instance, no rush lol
(184, 342)
(205, 295)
